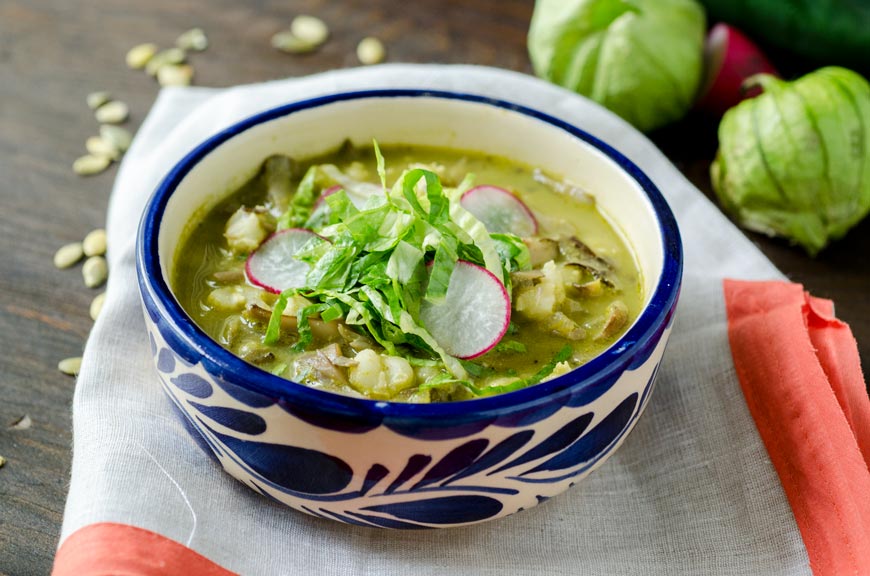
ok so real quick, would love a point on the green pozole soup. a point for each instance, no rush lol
(433, 275)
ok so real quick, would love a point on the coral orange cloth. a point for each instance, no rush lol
(801, 376)
(108, 548)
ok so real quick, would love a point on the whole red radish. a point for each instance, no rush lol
(730, 58)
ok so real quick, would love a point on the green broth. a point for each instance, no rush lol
(206, 267)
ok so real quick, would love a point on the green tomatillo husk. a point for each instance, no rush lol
(641, 59)
(793, 161)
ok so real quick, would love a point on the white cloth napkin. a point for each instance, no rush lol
(690, 492)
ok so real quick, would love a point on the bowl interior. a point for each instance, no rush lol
(419, 120)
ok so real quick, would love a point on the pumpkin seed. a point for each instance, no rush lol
(97, 305)
(194, 39)
(88, 165)
(286, 42)
(175, 75)
(309, 29)
(165, 58)
(68, 255)
(99, 147)
(140, 55)
(115, 112)
(118, 137)
(2, 461)
(23, 423)
(94, 243)
(97, 99)
(70, 366)
(370, 50)
(95, 271)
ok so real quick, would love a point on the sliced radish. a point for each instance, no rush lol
(272, 265)
(730, 58)
(474, 314)
(328, 192)
(500, 211)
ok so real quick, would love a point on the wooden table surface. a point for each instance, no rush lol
(54, 52)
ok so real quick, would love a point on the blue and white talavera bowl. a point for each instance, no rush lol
(395, 465)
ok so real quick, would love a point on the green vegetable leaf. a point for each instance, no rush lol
(303, 326)
(442, 269)
(334, 312)
(510, 347)
(273, 331)
(470, 230)
(382, 172)
(303, 199)
(561, 356)
(404, 261)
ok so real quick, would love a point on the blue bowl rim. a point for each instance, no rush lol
(612, 361)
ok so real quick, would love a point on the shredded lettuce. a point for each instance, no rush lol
(303, 326)
(383, 257)
(301, 203)
(477, 371)
(511, 346)
(382, 171)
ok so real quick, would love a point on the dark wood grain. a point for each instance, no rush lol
(54, 52)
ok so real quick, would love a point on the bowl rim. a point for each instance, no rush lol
(614, 360)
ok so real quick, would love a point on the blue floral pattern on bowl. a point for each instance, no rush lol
(479, 476)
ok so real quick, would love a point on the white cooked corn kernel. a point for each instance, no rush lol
(370, 50)
(227, 298)
(366, 375)
(380, 376)
(244, 231)
(399, 374)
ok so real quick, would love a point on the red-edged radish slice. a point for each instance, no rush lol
(730, 58)
(272, 265)
(500, 211)
(474, 314)
(328, 192)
